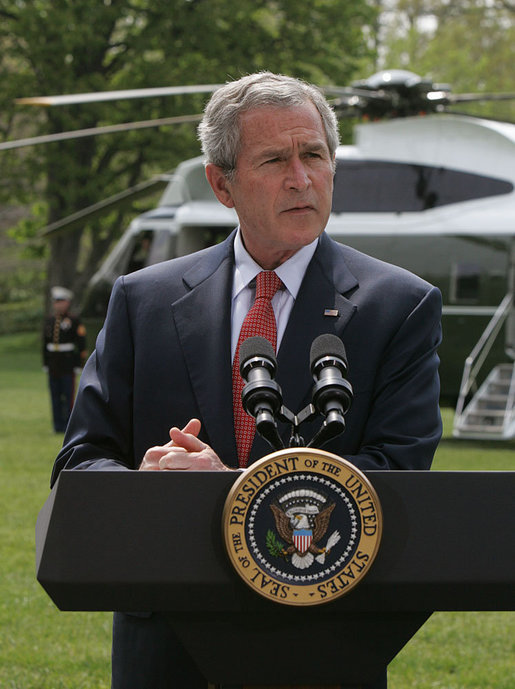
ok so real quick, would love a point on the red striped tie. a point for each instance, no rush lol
(260, 320)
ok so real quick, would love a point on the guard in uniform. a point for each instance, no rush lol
(64, 353)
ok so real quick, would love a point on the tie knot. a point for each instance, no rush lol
(267, 284)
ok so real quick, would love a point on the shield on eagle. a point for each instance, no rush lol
(302, 539)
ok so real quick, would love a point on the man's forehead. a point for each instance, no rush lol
(269, 127)
(282, 113)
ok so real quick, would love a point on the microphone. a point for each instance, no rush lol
(332, 392)
(261, 396)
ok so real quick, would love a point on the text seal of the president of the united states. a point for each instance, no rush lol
(302, 526)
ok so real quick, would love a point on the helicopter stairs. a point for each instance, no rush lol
(488, 412)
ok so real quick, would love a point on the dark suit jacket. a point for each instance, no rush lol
(163, 357)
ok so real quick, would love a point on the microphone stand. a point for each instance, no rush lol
(308, 413)
(266, 425)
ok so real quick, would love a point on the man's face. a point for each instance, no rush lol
(283, 184)
(61, 306)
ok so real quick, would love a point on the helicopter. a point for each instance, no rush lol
(421, 187)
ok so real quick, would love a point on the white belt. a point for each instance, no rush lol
(65, 347)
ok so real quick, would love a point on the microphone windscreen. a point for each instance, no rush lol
(326, 345)
(256, 346)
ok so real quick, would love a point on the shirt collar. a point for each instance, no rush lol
(291, 271)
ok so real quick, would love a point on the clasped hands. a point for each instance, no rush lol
(184, 452)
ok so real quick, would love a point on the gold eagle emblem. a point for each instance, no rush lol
(302, 521)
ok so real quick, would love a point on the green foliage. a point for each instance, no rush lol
(19, 286)
(479, 54)
(42, 648)
(25, 231)
(19, 317)
(273, 544)
(22, 286)
(468, 45)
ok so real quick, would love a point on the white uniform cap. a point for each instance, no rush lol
(61, 293)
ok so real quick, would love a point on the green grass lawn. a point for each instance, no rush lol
(42, 648)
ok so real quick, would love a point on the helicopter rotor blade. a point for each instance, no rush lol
(349, 92)
(390, 93)
(478, 97)
(96, 131)
(85, 214)
(78, 98)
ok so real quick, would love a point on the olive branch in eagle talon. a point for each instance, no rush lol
(274, 545)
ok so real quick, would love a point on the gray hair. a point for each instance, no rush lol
(219, 131)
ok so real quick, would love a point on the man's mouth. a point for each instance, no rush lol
(299, 209)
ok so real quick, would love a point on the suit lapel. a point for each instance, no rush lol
(203, 320)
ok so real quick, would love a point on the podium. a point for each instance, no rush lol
(152, 541)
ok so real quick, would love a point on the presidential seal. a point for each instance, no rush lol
(302, 526)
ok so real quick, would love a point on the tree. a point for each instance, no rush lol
(467, 44)
(114, 44)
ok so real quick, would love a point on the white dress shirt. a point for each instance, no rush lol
(291, 273)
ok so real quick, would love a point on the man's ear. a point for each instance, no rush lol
(218, 182)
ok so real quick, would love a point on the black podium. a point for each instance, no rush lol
(153, 542)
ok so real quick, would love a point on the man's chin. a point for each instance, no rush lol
(300, 234)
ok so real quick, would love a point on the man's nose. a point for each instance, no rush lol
(297, 175)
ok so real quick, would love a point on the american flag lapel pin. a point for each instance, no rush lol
(332, 313)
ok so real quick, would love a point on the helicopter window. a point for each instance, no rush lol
(162, 247)
(141, 251)
(196, 237)
(368, 186)
(149, 247)
(465, 283)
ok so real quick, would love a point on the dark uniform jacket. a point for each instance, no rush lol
(64, 344)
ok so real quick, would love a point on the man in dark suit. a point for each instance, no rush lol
(157, 392)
